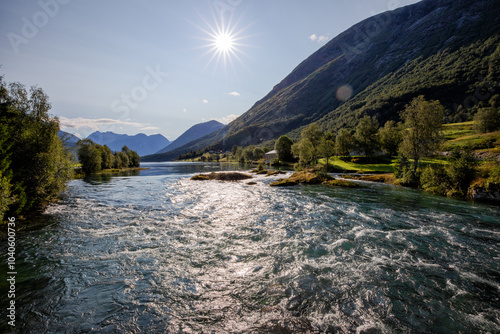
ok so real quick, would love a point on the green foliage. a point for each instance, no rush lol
(258, 153)
(123, 158)
(423, 122)
(435, 179)
(106, 157)
(307, 148)
(89, 156)
(34, 165)
(133, 158)
(344, 142)
(462, 169)
(390, 137)
(95, 158)
(365, 136)
(283, 147)
(487, 120)
(405, 173)
(474, 142)
(248, 153)
(312, 133)
(490, 173)
(6, 197)
(326, 149)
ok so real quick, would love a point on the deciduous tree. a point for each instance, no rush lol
(423, 121)
(326, 148)
(343, 142)
(390, 137)
(366, 135)
(283, 147)
(34, 165)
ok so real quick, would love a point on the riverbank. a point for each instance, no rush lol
(79, 174)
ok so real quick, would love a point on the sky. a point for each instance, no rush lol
(152, 66)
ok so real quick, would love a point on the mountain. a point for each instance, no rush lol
(67, 138)
(443, 49)
(140, 143)
(195, 132)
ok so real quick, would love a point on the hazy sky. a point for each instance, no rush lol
(155, 66)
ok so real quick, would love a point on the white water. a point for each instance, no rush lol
(160, 253)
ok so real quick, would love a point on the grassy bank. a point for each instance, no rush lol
(79, 174)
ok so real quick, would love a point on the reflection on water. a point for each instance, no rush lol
(160, 253)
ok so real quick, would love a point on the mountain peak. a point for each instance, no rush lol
(141, 143)
(193, 133)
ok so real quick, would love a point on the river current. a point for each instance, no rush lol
(159, 253)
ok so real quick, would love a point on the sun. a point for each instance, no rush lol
(223, 42)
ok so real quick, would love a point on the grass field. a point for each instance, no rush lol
(462, 136)
(384, 165)
(456, 135)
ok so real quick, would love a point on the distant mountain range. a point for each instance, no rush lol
(447, 50)
(195, 132)
(141, 143)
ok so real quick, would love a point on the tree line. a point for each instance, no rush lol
(95, 158)
(34, 164)
(417, 136)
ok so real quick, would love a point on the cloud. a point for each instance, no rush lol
(94, 124)
(234, 94)
(227, 119)
(204, 101)
(82, 127)
(319, 39)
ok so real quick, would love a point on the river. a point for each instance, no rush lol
(158, 253)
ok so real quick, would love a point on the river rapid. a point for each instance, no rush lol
(159, 253)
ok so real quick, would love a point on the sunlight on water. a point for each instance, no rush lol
(161, 253)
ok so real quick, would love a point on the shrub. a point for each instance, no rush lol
(404, 171)
(487, 120)
(463, 169)
(434, 179)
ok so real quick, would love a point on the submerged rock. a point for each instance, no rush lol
(267, 172)
(341, 183)
(229, 176)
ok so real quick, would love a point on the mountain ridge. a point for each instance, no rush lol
(141, 143)
(372, 50)
(193, 133)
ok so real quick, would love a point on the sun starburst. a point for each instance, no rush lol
(223, 42)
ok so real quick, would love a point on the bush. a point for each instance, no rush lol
(434, 179)
(404, 171)
(462, 170)
(487, 120)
